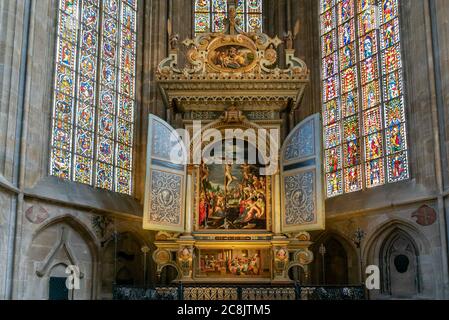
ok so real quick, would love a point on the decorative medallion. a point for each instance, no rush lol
(36, 215)
(425, 216)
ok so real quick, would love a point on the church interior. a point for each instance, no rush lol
(117, 170)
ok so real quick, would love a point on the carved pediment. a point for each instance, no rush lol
(231, 68)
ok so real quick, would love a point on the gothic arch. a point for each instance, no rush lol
(400, 267)
(57, 236)
(347, 259)
(129, 258)
(397, 248)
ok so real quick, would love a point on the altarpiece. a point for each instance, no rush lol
(227, 222)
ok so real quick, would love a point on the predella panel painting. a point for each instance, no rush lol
(234, 263)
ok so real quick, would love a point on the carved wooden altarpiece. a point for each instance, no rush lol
(233, 80)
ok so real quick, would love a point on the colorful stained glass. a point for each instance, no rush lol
(65, 80)
(370, 95)
(373, 146)
(328, 43)
(365, 128)
(69, 6)
(365, 4)
(126, 108)
(210, 15)
(123, 181)
(368, 45)
(128, 62)
(108, 76)
(124, 156)
(125, 131)
(108, 100)
(66, 53)
(348, 80)
(369, 70)
(396, 139)
(105, 150)
(333, 160)
(61, 164)
(346, 33)
(391, 59)
(367, 21)
(350, 103)
(394, 113)
(202, 5)
(372, 121)
(106, 124)
(352, 153)
(347, 57)
(254, 23)
(62, 135)
(327, 21)
(84, 142)
(351, 128)
(398, 167)
(330, 66)
(332, 136)
(392, 85)
(85, 116)
(375, 173)
(389, 10)
(67, 28)
(326, 5)
(63, 109)
(345, 10)
(330, 88)
(90, 15)
(353, 179)
(88, 66)
(104, 176)
(334, 183)
(86, 90)
(218, 22)
(389, 34)
(202, 22)
(332, 112)
(128, 19)
(83, 170)
(74, 138)
(110, 28)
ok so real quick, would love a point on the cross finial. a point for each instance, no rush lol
(232, 15)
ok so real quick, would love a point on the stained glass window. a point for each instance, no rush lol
(210, 15)
(94, 97)
(363, 104)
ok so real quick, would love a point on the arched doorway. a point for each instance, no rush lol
(168, 275)
(400, 266)
(296, 273)
(336, 263)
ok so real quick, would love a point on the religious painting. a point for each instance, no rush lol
(227, 263)
(232, 57)
(232, 197)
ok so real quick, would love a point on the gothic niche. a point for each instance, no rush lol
(400, 261)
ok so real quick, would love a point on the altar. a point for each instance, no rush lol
(234, 191)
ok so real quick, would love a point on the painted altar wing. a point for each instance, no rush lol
(165, 187)
(301, 178)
